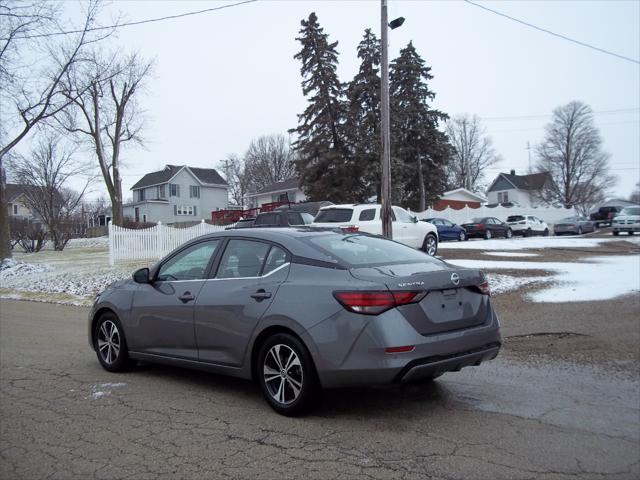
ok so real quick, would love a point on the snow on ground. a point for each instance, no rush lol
(104, 389)
(598, 278)
(11, 267)
(506, 283)
(511, 254)
(520, 243)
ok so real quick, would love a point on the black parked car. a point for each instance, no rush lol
(487, 227)
(277, 218)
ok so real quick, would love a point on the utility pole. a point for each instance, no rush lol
(385, 187)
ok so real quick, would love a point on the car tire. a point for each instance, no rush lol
(630, 233)
(293, 388)
(110, 344)
(430, 245)
(546, 232)
(616, 233)
(579, 230)
(527, 233)
(508, 233)
(462, 236)
(487, 234)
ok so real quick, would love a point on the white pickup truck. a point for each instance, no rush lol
(366, 218)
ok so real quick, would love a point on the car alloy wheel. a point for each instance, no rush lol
(579, 230)
(509, 233)
(431, 245)
(462, 237)
(487, 234)
(108, 342)
(284, 368)
(283, 374)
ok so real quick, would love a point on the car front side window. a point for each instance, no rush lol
(189, 264)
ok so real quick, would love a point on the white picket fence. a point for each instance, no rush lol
(151, 243)
(548, 214)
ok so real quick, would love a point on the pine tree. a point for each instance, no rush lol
(363, 121)
(323, 164)
(419, 150)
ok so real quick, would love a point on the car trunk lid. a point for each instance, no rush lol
(446, 306)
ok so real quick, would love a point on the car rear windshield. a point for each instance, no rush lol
(515, 218)
(631, 211)
(360, 250)
(334, 215)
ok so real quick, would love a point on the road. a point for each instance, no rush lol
(62, 416)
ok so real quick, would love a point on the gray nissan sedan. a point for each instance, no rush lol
(298, 310)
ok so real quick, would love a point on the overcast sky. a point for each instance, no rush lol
(225, 77)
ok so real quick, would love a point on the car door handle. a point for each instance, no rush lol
(261, 295)
(186, 297)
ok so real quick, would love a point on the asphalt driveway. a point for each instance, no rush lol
(62, 416)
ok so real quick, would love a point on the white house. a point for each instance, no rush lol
(16, 204)
(459, 198)
(177, 193)
(524, 190)
(286, 191)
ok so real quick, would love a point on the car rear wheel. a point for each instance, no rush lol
(546, 232)
(462, 237)
(487, 234)
(579, 230)
(527, 232)
(286, 374)
(430, 244)
(110, 344)
(509, 233)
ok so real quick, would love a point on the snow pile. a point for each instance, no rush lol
(97, 242)
(82, 286)
(506, 283)
(598, 278)
(10, 267)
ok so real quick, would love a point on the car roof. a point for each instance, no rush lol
(290, 238)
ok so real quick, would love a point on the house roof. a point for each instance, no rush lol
(205, 175)
(14, 190)
(478, 197)
(283, 186)
(534, 181)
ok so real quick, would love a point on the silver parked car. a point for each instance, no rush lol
(298, 309)
(574, 225)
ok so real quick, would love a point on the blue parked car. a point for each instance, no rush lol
(448, 230)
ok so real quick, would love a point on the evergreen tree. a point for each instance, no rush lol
(419, 150)
(363, 121)
(323, 163)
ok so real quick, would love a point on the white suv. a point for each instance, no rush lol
(527, 225)
(366, 218)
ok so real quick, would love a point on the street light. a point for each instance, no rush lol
(385, 137)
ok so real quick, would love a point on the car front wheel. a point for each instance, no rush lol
(286, 374)
(430, 244)
(487, 234)
(110, 344)
(462, 237)
(546, 232)
(509, 233)
(579, 230)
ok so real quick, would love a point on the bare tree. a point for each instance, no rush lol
(34, 57)
(268, 160)
(572, 154)
(473, 152)
(29, 235)
(104, 92)
(234, 173)
(45, 173)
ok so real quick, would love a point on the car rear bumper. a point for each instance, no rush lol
(368, 363)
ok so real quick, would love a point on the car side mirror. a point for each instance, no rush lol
(141, 276)
(415, 219)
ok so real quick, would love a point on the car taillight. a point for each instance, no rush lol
(374, 303)
(484, 288)
(350, 229)
(479, 225)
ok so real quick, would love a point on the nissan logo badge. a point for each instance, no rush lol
(455, 278)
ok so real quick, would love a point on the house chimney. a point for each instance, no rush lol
(513, 172)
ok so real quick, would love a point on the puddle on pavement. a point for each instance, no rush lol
(561, 394)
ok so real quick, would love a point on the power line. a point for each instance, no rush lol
(139, 22)
(524, 117)
(564, 37)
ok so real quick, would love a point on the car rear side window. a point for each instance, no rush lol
(367, 215)
(361, 250)
(295, 218)
(242, 258)
(334, 215)
(267, 219)
(276, 258)
(189, 264)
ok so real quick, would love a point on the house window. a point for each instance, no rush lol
(162, 191)
(503, 197)
(194, 191)
(141, 195)
(137, 214)
(15, 209)
(184, 210)
(144, 218)
(174, 190)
